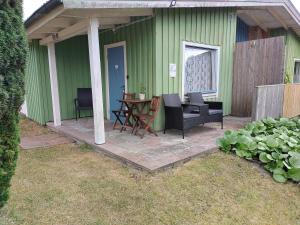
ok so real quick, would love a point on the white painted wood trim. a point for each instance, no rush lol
(47, 18)
(66, 33)
(71, 4)
(217, 62)
(106, 47)
(96, 81)
(54, 85)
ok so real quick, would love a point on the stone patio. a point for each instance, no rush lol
(151, 153)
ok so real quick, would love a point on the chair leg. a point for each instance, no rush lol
(222, 124)
(116, 120)
(79, 113)
(165, 131)
(182, 133)
(76, 114)
(115, 123)
(134, 127)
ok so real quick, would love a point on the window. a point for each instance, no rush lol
(200, 69)
(297, 72)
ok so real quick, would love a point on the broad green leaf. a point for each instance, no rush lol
(262, 146)
(295, 161)
(275, 155)
(223, 145)
(279, 178)
(294, 174)
(271, 142)
(263, 157)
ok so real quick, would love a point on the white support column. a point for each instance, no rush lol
(95, 67)
(54, 84)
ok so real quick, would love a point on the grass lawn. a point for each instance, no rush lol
(72, 185)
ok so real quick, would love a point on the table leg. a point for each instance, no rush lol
(127, 122)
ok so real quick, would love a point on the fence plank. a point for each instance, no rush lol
(291, 106)
(255, 65)
(268, 101)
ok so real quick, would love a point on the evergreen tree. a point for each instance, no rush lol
(13, 52)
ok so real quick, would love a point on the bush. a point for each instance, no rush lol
(13, 51)
(275, 143)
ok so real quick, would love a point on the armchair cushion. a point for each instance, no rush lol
(215, 111)
(190, 115)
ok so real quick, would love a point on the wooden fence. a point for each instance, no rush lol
(259, 62)
(282, 100)
(291, 103)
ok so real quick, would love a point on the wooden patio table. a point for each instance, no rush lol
(133, 105)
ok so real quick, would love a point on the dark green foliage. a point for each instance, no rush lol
(13, 52)
(275, 143)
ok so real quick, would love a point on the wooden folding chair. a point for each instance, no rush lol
(123, 111)
(144, 121)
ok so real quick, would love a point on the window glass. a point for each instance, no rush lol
(200, 70)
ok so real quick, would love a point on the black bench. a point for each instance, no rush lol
(182, 116)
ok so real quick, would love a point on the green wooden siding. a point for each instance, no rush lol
(140, 52)
(73, 71)
(292, 49)
(292, 53)
(37, 84)
(210, 26)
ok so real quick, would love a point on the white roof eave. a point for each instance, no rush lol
(81, 4)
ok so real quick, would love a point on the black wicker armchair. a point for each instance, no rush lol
(215, 109)
(181, 116)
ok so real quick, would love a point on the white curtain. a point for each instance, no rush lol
(198, 70)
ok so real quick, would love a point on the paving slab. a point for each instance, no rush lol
(43, 141)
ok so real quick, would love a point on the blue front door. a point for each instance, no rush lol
(116, 77)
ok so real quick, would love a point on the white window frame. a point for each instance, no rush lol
(216, 68)
(296, 60)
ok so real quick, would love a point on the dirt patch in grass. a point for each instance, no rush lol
(70, 184)
(30, 128)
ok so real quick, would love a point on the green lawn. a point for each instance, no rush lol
(71, 184)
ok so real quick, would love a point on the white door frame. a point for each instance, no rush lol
(106, 47)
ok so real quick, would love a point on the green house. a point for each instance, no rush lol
(111, 46)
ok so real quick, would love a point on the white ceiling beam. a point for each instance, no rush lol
(37, 36)
(277, 17)
(47, 30)
(62, 22)
(66, 33)
(45, 19)
(81, 27)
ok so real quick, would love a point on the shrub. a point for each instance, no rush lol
(13, 51)
(275, 143)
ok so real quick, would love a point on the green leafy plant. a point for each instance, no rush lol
(288, 79)
(273, 142)
(142, 89)
(13, 52)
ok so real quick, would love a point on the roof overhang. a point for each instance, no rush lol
(57, 20)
